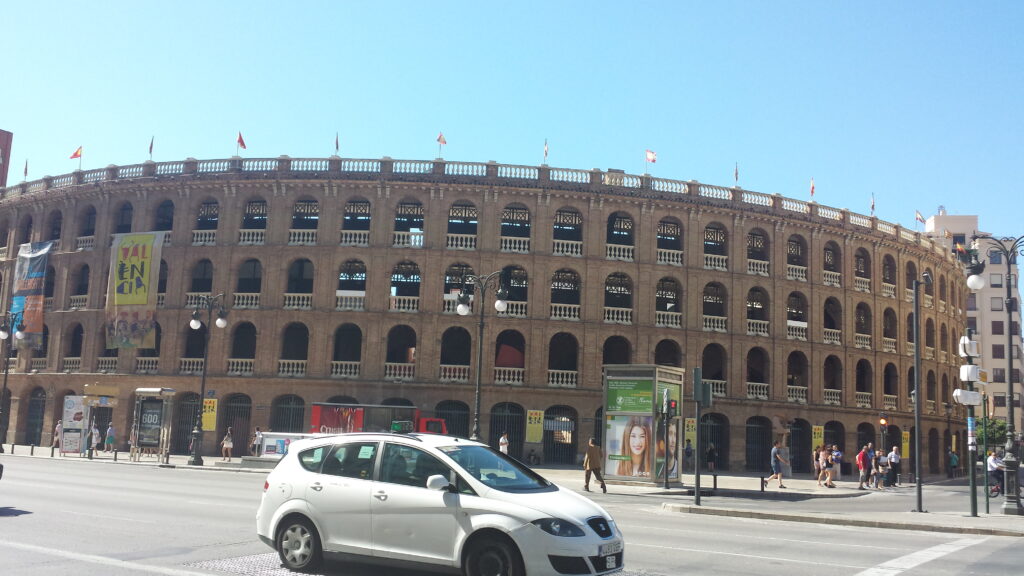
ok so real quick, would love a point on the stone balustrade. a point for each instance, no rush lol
(345, 369)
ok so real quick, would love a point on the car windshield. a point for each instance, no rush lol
(495, 469)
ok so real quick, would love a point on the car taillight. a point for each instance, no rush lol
(266, 485)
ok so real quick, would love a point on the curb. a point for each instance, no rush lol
(840, 520)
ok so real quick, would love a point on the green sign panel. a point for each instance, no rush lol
(630, 395)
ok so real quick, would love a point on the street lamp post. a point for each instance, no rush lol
(1008, 247)
(482, 284)
(949, 449)
(926, 279)
(9, 319)
(209, 303)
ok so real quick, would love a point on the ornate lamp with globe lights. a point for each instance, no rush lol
(1008, 248)
(208, 303)
(10, 319)
(464, 308)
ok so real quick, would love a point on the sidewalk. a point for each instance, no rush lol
(737, 494)
(740, 495)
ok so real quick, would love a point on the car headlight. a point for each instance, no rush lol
(558, 527)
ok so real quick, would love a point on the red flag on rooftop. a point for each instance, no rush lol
(812, 186)
(76, 154)
(26, 169)
(241, 141)
(336, 144)
(651, 156)
(440, 139)
(151, 138)
(918, 217)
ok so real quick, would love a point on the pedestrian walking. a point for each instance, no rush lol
(825, 458)
(503, 443)
(711, 457)
(257, 442)
(109, 440)
(894, 466)
(592, 465)
(816, 459)
(226, 444)
(688, 456)
(954, 463)
(133, 444)
(777, 463)
(57, 431)
(879, 465)
(863, 467)
(96, 438)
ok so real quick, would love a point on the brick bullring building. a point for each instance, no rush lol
(340, 279)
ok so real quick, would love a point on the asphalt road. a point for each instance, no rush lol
(85, 518)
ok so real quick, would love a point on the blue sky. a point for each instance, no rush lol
(919, 102)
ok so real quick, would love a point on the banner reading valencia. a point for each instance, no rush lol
(27, 299)
(131, 295)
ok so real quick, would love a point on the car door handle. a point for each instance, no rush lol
(382, 496)
(317, 487)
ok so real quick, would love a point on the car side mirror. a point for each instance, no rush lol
(438, 482)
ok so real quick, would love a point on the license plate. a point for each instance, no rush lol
(609, 562)
(610, 548)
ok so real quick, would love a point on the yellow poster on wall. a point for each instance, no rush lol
(905, 449)
(209, 414)
(817, 436)
(690, 431)
(534, 425)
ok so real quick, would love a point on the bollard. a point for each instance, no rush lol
(31, 449)
(12, 447)
(89, 453)
(115, 454)
(51, 451)
(714, 485)
(763, 482)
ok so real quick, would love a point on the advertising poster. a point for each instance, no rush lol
(629, 441)
(534, 425)
(335, 419)
(817, 435)
(631, 395)
(27, 298)
(905, 448)
(73, 423)
(131, 301)
(150, 420)
(71, 441)
(209, 414)
(673, 449)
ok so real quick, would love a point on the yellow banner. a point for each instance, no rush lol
(817, 436)
(534, 425)
(132, 285)
(690, 431)
(133, 268)
(209, 414)
(905, 449)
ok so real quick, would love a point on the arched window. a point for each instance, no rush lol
(164, 217)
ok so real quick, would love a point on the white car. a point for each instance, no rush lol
(435, 501)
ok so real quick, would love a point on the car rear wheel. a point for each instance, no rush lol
(298, 545)
(494, 557)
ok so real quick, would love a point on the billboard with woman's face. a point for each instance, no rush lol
(629, 444)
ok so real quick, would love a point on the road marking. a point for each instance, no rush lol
(903, 563)
(109, 517)
(102, 560)
(771, 538)
(771, 558)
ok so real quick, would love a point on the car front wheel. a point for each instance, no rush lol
(494, 557)
(298, 545)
